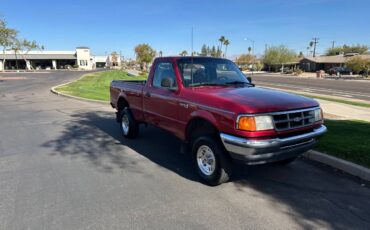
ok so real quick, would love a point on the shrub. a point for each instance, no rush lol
(358, 64)
(298, 72)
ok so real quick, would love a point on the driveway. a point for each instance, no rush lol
(64, 165)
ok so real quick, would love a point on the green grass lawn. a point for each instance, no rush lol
(96, 85)
(346, 139)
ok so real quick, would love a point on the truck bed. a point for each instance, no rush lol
(126, 86)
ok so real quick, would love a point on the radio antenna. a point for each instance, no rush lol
(192, 53)
(192, 40)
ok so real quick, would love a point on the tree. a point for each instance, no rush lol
(7, 38)
(358, 64)
(278, 55)
(25, 46)
(311, 44)
(300, 55)
(221, 40)
(259, 65)
(361, 49)
(218, 52)
(226, 43)
(204, 51)
(213, 52)
(144, 55)
(245, 59)
(249, 49)
(184, 53)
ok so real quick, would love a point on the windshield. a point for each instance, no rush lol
(209, 71)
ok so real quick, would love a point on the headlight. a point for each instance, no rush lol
(318, 115)
(254, 123)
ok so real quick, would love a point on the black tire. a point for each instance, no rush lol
(285, 162)
(222, 169)
(133, 127)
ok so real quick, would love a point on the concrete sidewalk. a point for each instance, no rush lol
(133, 72)
(344, 111)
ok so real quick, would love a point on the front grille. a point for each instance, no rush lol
(294, 119)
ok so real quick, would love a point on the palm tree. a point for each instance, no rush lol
(249, 49)
(222, 40)
(311, 44)
(226, 43)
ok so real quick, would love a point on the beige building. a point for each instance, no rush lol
(327, 62)
(80, 58)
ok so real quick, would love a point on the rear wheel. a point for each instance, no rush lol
(128, 125)
(211, 161)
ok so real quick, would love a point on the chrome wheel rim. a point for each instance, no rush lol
(125, 124)
(206, 160)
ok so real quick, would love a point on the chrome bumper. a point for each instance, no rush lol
(254, 150)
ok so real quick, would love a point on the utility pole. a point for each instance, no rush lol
(332, 44)
(315, 41)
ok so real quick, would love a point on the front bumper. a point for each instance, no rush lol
(262, 151)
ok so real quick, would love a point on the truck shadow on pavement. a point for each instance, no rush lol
(96, 138)
(313, 195)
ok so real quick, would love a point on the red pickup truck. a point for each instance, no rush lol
(218, 113)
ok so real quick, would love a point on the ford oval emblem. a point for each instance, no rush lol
(297, 119)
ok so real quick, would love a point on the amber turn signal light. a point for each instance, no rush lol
(246, 123)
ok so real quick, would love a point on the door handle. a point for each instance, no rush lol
(147, 94)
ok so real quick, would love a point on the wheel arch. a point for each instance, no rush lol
(122, 103)
(198, 125)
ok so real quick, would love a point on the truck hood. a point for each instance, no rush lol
(252, 99)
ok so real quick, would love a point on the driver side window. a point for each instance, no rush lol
(164, 76)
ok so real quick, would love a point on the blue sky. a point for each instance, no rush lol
(113, 25)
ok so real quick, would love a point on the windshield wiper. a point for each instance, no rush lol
(206, 84)
(239, 83)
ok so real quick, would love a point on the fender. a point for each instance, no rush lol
(205, 115)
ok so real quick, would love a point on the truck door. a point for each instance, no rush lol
(160, 98)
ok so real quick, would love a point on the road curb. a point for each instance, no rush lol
(345, 166)
(54, 91)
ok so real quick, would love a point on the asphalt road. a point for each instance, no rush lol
(351, 89)
(64, 165)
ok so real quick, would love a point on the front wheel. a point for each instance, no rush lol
(128, 125)
(211, 161)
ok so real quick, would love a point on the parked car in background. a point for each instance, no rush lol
(339, 70)
(218, 114)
